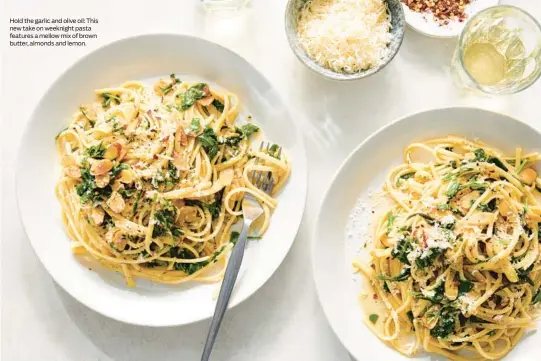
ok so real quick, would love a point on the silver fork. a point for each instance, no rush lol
(251, 210)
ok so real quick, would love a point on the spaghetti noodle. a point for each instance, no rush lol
(153, 179)
(456, 261)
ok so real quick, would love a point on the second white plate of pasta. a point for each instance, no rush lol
(432, 229)
(132, 171)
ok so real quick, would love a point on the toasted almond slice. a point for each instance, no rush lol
(103, 180)
(73, 172)
(113, 151)
(180, 163)
(187, 215)
(97, 214)
(126, 176)
(101, 166)
(119, 240)
(528, 175)
(116, 202)
(183, 137)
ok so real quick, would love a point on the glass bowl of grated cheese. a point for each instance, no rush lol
(345, 39)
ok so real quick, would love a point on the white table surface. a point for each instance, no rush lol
(283, 320)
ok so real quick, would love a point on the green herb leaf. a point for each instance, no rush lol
(83, 111)
(195, 127)
(402, 276)
(165, 222)
(95, 151)
(404, 177)
(191, 95)
(402, 249)
(107, 98)
(453, 189)
(218, 105)
(488, 207)
(428, 257)
(443, 207)
(465, 286)
(426, 217)
(373, 318)
(234, 237)
(480, 155)
(248, 129)
(209, 142)
(446, 323)
(537, 297)
(274, 151)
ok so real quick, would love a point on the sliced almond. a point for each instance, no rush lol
(180, 163)
(101, 166)
(113, 151)
(503, 207)
(73, 172)
(116, 186)
(126, 176)
(116, 202)
(97, 214)
(103, 180)
(119, 240)
(182, 137)
(187, 215)
(528, 175)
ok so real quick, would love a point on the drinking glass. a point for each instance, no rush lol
(220, 5)
(499, 51)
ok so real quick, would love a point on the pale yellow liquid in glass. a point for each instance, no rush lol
(485, 64)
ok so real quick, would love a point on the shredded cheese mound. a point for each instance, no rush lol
(345, 35)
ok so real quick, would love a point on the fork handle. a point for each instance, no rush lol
(231, 273)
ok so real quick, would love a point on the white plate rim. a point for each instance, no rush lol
(302, 167)
(314, 232)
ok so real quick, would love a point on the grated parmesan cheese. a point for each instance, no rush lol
(345, 35)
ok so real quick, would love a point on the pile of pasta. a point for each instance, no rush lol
(456, 261)
(153, 179)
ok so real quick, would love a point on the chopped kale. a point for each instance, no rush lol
(437, 297)
(234, 237)
(488, 207)
(195, 126)
(191, 95)
(453, 189)
(218, 105)
(107, 98)
(87, 189)
(446, 323)
(404, 177)
(465, 286)
(209, 142)
(248, 129)
(426, 217)
(480, 155)
(537, 297)
(274, 151)
(402, 249)
(165, 222)
(402, 276)
(428, 257)
(95, 151)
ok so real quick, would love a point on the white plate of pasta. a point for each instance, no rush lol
(431, 226)
(132, 171)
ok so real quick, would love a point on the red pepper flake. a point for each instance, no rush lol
(375, 296)
(155, 156)
(443, 10)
